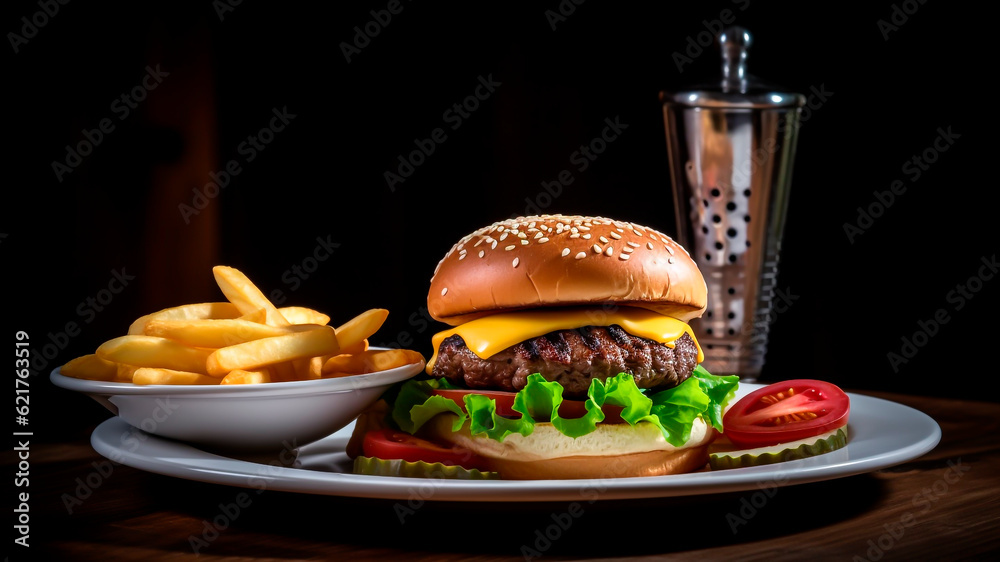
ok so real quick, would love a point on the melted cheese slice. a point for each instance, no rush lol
(492, 334)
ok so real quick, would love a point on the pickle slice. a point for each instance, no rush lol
(781, 452)
(373, 466)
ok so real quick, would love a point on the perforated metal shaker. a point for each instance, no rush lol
(731, 147)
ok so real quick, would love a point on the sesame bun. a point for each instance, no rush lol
(560, 260)
(611, 451)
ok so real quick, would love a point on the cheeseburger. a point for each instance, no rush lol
(567, 354)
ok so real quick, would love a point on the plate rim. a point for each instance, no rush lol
(219, 469)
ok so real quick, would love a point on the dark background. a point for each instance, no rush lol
(322, 177)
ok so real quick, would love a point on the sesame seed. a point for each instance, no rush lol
(543, 240)
(461, 256)
(482, 253)
(670, 260)
(511, 247)
(633, 244)
(514, 263)
(609, 251)
(584, 227)
(525, 242)
(522, 235)
(575, 235)
(628, 249)
(565, 252)
(493, 246)
(597, 249)
(636, 232)
(504, 236)
(653, 236)
(603, 240)
(581, 255)
(649, 245)
(623, 256)
(586, 236)
(616, 236)
(444, 291)
(538, 234)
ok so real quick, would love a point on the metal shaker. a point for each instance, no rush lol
(731, 147)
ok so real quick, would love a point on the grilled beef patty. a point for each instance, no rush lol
(572, 358)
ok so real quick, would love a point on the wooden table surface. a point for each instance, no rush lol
(942, 506)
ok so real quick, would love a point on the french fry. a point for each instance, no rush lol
(303, 315)
(243, 340)
(259, 316)
(152, 351)
(90, 367)
(318, 340)
(125, 372)
(213, 333)
(370, 361)
(240, 376)
(156, 375)
(196, 311)
(245, 295)
(356, 347)
(361, 327)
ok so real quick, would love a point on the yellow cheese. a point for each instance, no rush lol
(492, 334)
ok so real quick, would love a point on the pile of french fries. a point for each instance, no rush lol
(245, 340)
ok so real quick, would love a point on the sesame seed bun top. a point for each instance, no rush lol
(561, 260)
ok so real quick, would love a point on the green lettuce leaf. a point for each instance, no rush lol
(672, 411)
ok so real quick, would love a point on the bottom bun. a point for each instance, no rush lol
(611, 451)
(652, 463)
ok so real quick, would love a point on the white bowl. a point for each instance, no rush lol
(253, 418)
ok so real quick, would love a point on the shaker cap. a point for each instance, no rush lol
(736, 88)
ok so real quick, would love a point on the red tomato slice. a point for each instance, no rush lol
(391, 444)
(568, 409)
(786, 411)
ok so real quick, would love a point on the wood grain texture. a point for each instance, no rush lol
(942, 506)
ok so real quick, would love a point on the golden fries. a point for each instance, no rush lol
(245, 295)
(303, 315)
(240, 376)
(321, 340)
(370, 361)
(243, 340)
(361, 327)
(213, 333)
(90, 367)
(196, 311)
(156, 375)
(151, 351)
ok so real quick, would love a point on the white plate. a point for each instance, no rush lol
(881, 434)
(243, 418)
